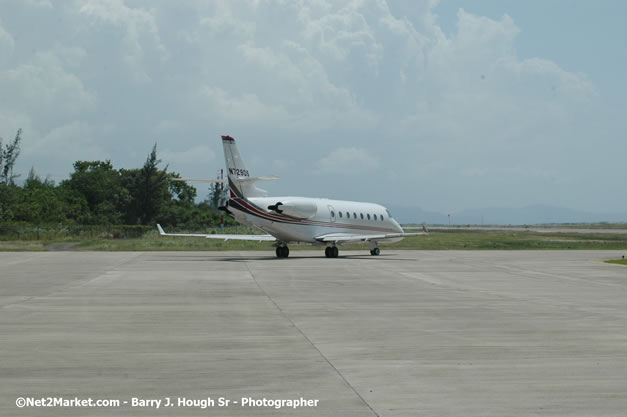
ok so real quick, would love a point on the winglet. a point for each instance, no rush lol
(161, 232)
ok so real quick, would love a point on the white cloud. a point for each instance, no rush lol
(11, 121)
(6, 45)
(38, 87)
(6, 40)
(300, 83)
(299, 76)
(197, 157)
(475, 97)
(348, 161)
(54, 152)
(71, 56)
(281, 164)
(39, 3)
(137, 24)
(345, 32)
(167, 126)
(224, 24)
(575, 84)
(246, 108)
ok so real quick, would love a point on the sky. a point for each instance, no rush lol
(445, 106)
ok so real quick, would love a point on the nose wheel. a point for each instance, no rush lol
(331, 252)
(282, 251)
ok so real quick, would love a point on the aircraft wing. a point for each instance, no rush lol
(423, 227)
(258, 238)
(352, 238)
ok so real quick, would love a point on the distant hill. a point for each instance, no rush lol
(536, 214)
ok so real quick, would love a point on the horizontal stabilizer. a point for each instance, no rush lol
(200, 180)
(243, 180)
(250, 180)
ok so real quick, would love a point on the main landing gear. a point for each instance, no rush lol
(282, 251)
(374, 251)
(331, 252)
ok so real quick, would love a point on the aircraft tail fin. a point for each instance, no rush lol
(241, 184)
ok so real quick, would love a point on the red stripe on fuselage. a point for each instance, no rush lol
(274, 218)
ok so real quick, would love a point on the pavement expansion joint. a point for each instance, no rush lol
(286, 317)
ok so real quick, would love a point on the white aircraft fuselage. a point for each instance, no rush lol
(299, 219)
(324, 217)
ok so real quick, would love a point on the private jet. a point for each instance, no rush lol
(286, 220)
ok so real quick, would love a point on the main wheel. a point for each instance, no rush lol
(334, 252)
(282, 251)
(376, 251)
(327, 252)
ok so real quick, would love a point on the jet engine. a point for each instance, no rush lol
(297, 209)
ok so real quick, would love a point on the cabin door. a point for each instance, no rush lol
(331, 214)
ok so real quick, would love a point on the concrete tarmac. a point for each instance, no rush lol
(408, 333)
(538, 229)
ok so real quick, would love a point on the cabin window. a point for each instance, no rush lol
(368, 216)
(354, 215)
(362, 215)
(340, 214)
(332, 213)
(348, 215)
(381, 217)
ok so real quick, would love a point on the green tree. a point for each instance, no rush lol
(39, 202)
(9, 196)
(8, 156)
(96, 193)
(149, 190)
(99, 184)
(183, 191)
(9, 192)
(128, 203)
